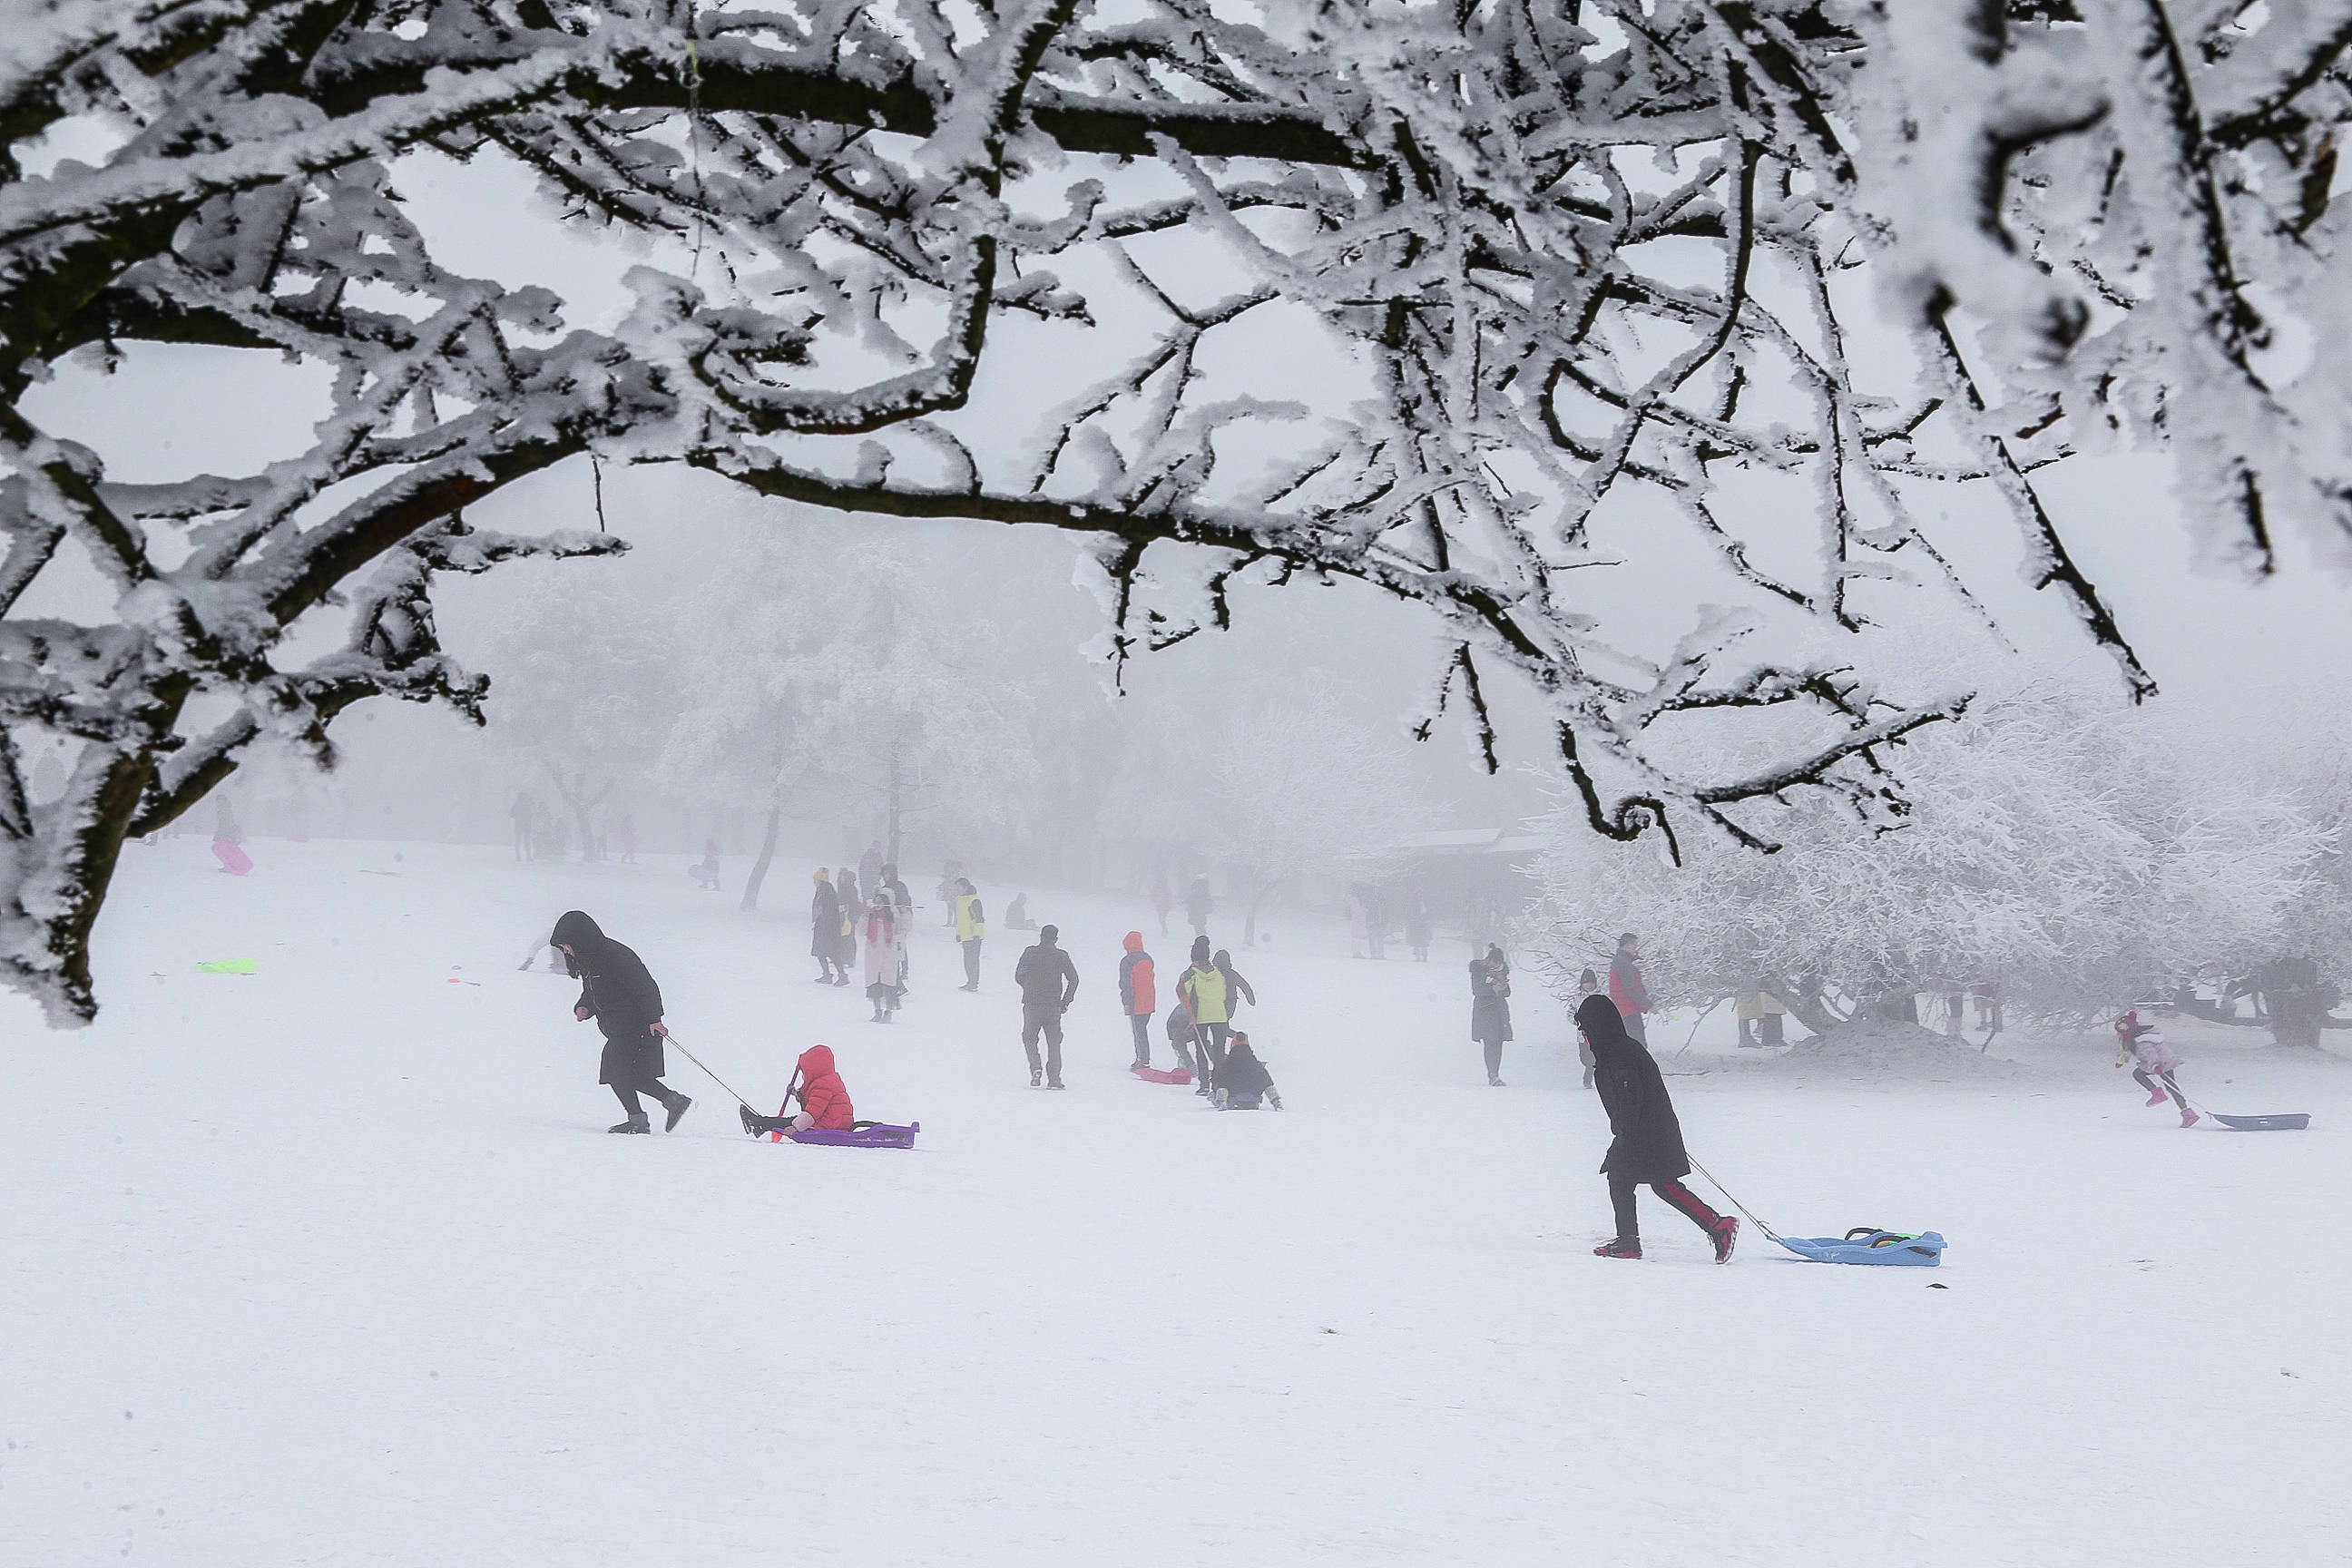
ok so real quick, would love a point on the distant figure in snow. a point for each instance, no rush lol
(1587, 984)
(1625, 987)
(1138, 995)
(824, 1099)
(1048, 982)
(902, 905)
(705, 871)
(846, 884)
(970, 922)
(1243, 1081)
(882, 955)
(1376, 922)
(2154, 1063)
(870, 866)
(521, 813)
(1208, 997)
(1198, 904)
(1162, 898)
(1490, 1009)
(825, 931)
(845, 938)
(1417, 925)
(627, 831)
(950, 879)
(1360, 919)
(1759, 1013)
(1016, 914)
(1647, 1145)
(618, 992)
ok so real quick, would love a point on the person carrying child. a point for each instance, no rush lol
(1243, 1081)
(2144, 1044)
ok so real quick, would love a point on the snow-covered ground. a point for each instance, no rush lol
(333, 1264)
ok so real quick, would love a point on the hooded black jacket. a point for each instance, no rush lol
(620, 994)
(1243, 1073)
(1648, 1145)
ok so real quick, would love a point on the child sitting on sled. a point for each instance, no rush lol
(824, 1100)
(2144, 1044)
(1243, 1081)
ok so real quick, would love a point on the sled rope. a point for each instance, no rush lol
(721, 1082)
(1735, 1202)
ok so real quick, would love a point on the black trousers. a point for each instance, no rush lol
(1211, 1040)
(626, 1093)
(1142, 1024)
(1493, 1058)
(971, 963)
(1629, 1225)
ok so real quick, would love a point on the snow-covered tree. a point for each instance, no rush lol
(1545, 280)
(2055, 853)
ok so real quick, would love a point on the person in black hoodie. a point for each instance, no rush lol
(1243, 1079)
(616, 991)
(1048, 982)
(1648, 1142)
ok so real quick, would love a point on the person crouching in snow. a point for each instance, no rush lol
(1243, 1081)
(882, 967)
(618, 992)
(1648, 1142)
(824, 1100)
(2144, 1044)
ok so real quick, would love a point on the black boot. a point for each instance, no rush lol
(638, 1123)
(679, 1105)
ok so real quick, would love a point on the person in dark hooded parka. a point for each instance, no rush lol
(1647, 1148)
(616, 991)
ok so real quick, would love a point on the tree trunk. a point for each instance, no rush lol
(759, 872)
(1249, 925)
(1809, 1007)
(894, 787)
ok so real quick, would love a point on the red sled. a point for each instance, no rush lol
(1163, 1074)
(232, 857)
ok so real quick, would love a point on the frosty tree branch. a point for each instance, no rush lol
(1570, 257)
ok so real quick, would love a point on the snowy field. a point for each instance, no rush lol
(334, 1263)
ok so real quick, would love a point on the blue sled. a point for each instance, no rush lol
(1881, 1247)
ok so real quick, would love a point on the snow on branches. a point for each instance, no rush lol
(1578, 274)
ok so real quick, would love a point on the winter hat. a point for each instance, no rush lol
(1200, 949)
(1588, 980)
(2128, 1023)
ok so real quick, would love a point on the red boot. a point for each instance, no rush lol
(1725, 1232)
(1621, 1247)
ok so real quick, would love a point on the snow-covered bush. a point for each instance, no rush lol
(1468, 302)
(2068, 858)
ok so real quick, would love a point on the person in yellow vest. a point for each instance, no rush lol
(970, 929)
(1208, 996)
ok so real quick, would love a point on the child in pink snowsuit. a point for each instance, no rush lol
(2143, 1043)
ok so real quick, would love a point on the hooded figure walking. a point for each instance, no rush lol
(616, 991)
(1490, 1008)
(825, 932)
(1647, 1147)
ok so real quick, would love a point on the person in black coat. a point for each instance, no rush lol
(1048, 982)
(1647, 1147)
(1490, 1008)
(1243, 1081)
(825, 932)
(616, 991)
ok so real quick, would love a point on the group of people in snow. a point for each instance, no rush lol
(841, 923)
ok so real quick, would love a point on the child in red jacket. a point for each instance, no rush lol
(824, 1100)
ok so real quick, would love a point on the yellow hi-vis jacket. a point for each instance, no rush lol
(969, 927)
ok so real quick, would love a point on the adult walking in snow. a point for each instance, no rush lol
(1417, 925)
(1647, 1145)
(616, 990)
(1198, 903)
(1208, 998)
(521, 813)
(870, 869)
(970, 923)
(882, 956)
(825, 931)
(1162, 898)
(1048, 982)
(1625, 987)
(2154, 1063)
(1138, 995)
(1490, 1009)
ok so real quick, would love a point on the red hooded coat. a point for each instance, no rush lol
(1135, 987)
(822, 1094)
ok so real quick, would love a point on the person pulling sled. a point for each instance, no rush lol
(617, 990)
(1647, 1142)
(2143, 1043)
